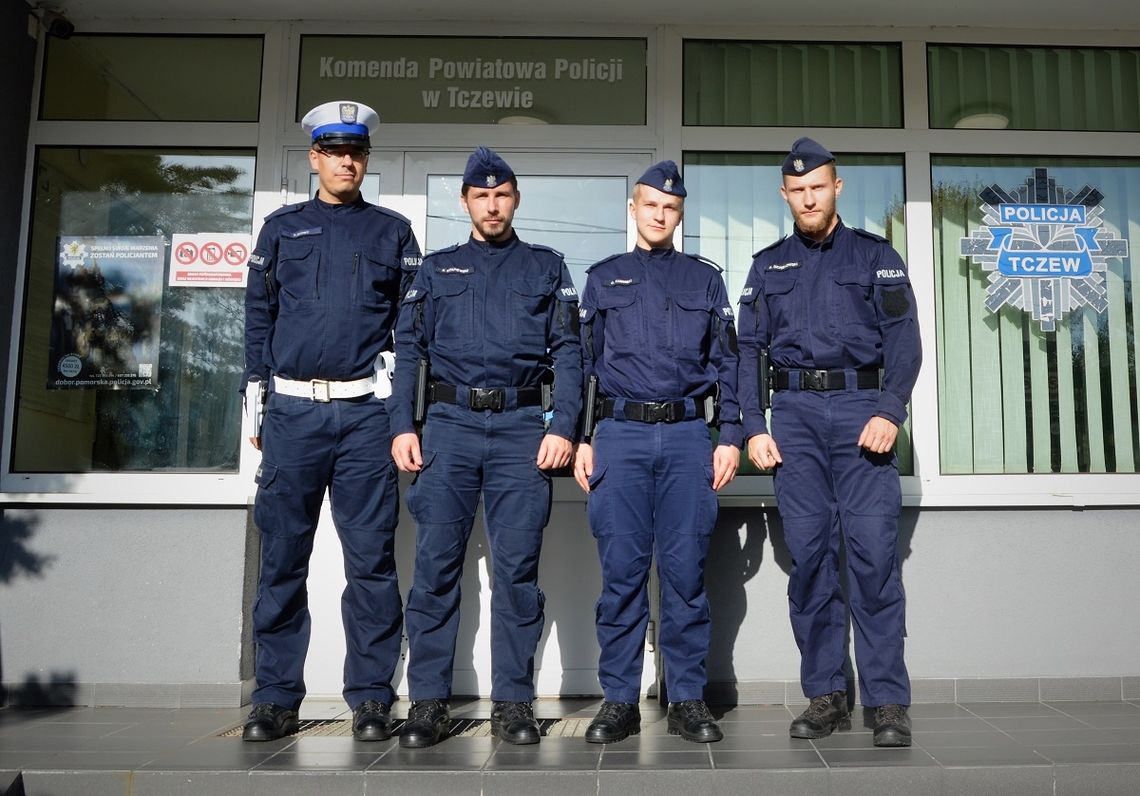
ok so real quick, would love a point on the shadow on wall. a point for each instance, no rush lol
(736, 554)
(18, 559)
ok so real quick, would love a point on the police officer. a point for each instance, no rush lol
(324, 284)
(834, 308)
(657, 331)
(493, 319)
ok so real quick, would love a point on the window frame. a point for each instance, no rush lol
(663, 132)
(140, 488)
(928, 487)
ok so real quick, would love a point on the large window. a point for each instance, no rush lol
(584, 232)
(734, 209)
(1034, 88)
(792, 84)
(1035, 314)
(119, 370)
(152, 78)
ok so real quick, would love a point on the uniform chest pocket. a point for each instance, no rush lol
(624, 316)
(853, 299)
(530, 311)
(378, 278)
(298, 269)
(691, 320)
(783, 302)
(454, 299)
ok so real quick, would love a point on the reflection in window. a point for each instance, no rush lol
(1014, 397)
(152, 78)
(792, 84)
(551, 213)
(734, 209)
(1034, 88)
(103, 221)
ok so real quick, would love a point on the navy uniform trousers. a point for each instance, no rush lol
(343, 446)
(828, 486)
(466, 453)
(651, 492)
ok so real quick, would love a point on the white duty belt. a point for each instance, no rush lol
(324, 391)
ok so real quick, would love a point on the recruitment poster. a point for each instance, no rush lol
(107, 313)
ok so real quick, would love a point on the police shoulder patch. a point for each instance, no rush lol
(705, 260)
(606, 260)
(770, 246)
(392, 213)
(895, 302)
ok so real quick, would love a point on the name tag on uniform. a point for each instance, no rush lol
(455, 269)
(782, 266)
(301, 233)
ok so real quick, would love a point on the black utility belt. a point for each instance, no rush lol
(482, 398)
(653, 411)
(825, 380)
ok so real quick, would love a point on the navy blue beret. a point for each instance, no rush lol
(664, 176)
(485, 169)
(806, 155)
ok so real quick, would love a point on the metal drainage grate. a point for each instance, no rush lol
(460, 728)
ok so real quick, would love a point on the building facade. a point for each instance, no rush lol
(142, 154)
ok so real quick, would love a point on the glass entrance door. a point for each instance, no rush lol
(573, 203)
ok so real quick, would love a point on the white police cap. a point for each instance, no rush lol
(341, 122)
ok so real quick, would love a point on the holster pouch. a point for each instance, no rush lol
(254, 404)
(419, 407)
(385, 367)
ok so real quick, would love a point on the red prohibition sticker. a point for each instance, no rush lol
(211, 253)
(186, 253)
(236, 253)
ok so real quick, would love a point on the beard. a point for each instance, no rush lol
(816, 225)
(496, 233)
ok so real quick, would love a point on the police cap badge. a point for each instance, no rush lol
(664, 176)
(806, 155)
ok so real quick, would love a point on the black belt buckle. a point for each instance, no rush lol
(813, 380)
(486, 398)
(659, 412)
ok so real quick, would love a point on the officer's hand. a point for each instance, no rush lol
(763, 453)
(554, 452)
(255, 442)
(584, 465)
(878, 435)
(726, 458)
(406, 452)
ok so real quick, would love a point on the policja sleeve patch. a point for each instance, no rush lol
(895, 302)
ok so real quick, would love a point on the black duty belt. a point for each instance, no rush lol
(480, 398)
(647, 411)
(865, 379)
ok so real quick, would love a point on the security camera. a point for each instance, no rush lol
(56, 24)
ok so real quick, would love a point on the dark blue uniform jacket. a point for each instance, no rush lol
(845, 302)
(657, 325)
(324, 285)
(491, 315)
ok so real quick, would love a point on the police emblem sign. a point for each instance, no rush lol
(1044, 247)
